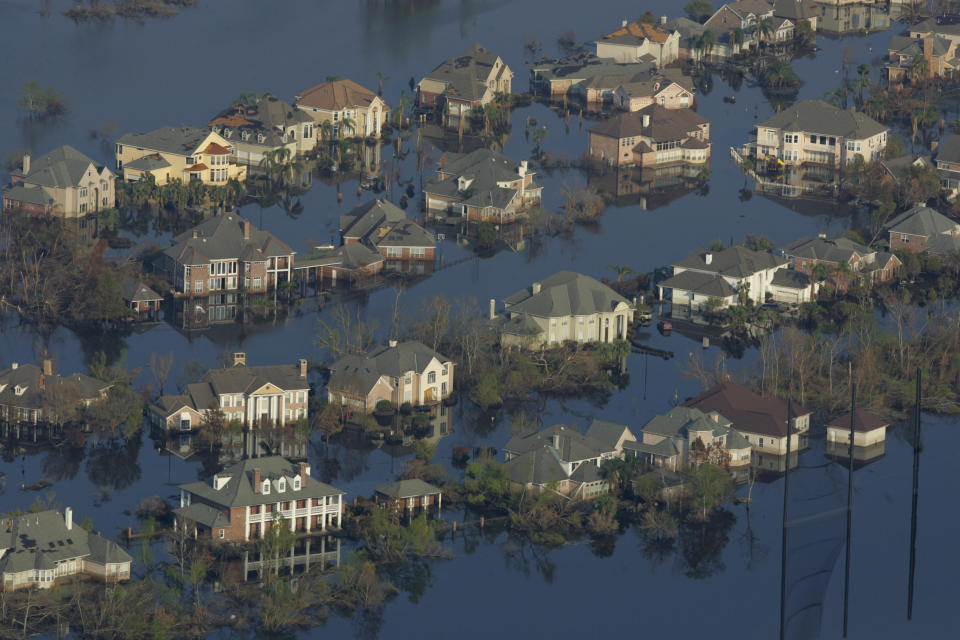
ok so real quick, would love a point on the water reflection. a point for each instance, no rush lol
(647, 187)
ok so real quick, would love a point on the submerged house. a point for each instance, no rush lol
(844, 260)
(34, 395)
(406, 496)
(924, 230)
(465, 82)
(686, 436)
(383, 227)
(143, 302)
(39, 550)
(266, 126)
(63, 183)
(640, 42)
(651, 136)
(344, 108)
(868, 429)
(178, 153)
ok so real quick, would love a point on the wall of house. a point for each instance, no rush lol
(860, 438)
(406, 253)
(369, 120)
(608, 150)
(907, 242)
(125, 154)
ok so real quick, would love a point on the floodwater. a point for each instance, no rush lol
(185, 69)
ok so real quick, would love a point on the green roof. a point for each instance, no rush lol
(403, 489)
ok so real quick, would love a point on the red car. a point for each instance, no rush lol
(665, 326)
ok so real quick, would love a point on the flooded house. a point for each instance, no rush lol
(640, 42)
(142, 301)
(948, 164)
(566, 306)
(843, 261)
(840, 17)
(43, 549)
(31, 394)
(868, 429)
(404, 497)
(924, 230)
(465, 82)
(586, 77)
(652, 136)
(345, 108)
(251, 395)
(63, 183)
(266, 126)
(402, 373)
(669, 89)
(939, 55)
(762, 420)
(244, 500)
(383, 227)
(686, 436)
(178, 153)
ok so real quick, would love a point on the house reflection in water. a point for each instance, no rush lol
(839, 452)
(234, 447)
(309, 553)
(648, 187)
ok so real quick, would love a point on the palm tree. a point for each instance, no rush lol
(863, 80)
(347, 123)
(922, 115)
(780, 75)
(764, 29)
(920, 67)
(738, 36)
(621, 271)
(707, 40)
(401, 109)
(380, 78)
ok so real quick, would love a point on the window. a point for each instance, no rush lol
(221, 534)
(408, 379)
(287, 415)
(431, 377)
(83, 192)
(265, 490)
(813, 139)
(418, 252)
(301, 397)
(296, 487)
(759, 442)
(256, 283)
(83, 207)
(288, 397)
(394, 252)
(904, 237)
(446, 370)
(184, 422)
(198, 286)
(227, 401)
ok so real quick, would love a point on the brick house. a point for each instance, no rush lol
(406, 496)
(403, 373)
(252, 395)
(63, 183)
(924, 230)
(241, 502)
(481, 186)
(940, 55)
(224, 256)
(863, 263)
(385, 228)
(32, 395)
(651, 136)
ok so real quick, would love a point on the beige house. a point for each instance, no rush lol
(178, 153)
(868, 429)
(465, 82)
(268, 125)
(686, 436)
(661, 90)
(260, 395)
(815, 132)
(39, 550)
(652, 136)
(564, 307)
(640, 42)
(401, 373)
(351, 110)
(63, 183)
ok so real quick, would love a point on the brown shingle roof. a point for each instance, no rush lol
(747, 410)
(215, 149)
(640, 30)
(336, 95)
(864, 421)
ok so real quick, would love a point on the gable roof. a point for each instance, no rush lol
(182, 141)
(749, 411)
(31, 378)
(705, 284)
(565, 293)
(151, 162)
(239, 491)
(466, 76)
(221, 238)
(569, 444)
(403, 489)
(833, 250)
(336, 96)
(663, 125)
(922, 221)
(608, 433)
(364, 218)
(636, 34)
(790, 279)
(360, 373)
(680, 421)
(30, 195)
(62, 168)
(585, 66)
(539, 466)
(817, 116)
(863, 421)
(134, 290)
(405, 233)
(733, 262)
(949, 149)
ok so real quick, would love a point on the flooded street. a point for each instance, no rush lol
(185, 69)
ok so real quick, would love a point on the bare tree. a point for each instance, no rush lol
(160, 366)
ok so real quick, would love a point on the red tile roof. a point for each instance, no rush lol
(215, 149)
(337, 95)
(197, 167)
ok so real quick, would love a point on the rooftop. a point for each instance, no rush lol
(749, 411)
(816, 116)
(336, 96)
(922, 221)
(733, 262)
(62, 168)
(222, 238)
(565, 293)
(467, 75)
(182, 141)
(663, 124)
(361, 372)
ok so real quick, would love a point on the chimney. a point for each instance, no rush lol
(392, 344)
(523, 168)
(239, 358)
(26, 163)
(43, 382)
(623, 24)
(822, 236)
(246, 229)
(928, 51)
(196, 234)
(68, 518)
(708, 258)
(303, 470)
(646, 120)
(256, 480)
(934, 146)
(536, 287)
(663, 19)
(47, 367)
(493, 308)
(303, 367)
(14, 365)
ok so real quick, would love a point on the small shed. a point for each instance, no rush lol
(141, 299)
(407, 495)
(868, 429)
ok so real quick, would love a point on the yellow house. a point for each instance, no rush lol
(345, 101)
(184, 153)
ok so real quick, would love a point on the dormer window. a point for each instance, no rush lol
(296, 483)
(19, 389)
(260, 138)
(281, 485)
(265, 488)
(227, 133)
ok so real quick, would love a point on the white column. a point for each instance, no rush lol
(339, 510)
(246, 524)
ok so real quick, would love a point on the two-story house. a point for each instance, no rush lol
(385, 228)
(639, 42)
(720, 279)
(924, 230)
(465, 82)
(267, 125)
(844, 260)
(481, 186)
(815, 132)
(42, 549)
(939, 54)
(839, 17)
(402, 373)
(178, 153)
(566, 306)
(244, 500)
(225, 255)
(587, 77)
(63, 183)
(948, 164)
(32, 395)
(349, 109)
(561, 459)
(761, 420)
(670, 90)
(652, 136)
(945, 26)
(251, 395)
(685, 436)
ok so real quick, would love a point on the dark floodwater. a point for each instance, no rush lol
(183, 70)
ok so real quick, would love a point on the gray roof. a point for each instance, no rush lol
(31, 195)
(466, 75)
(565, 293)
(177, 140)
(134, 290)
(906, 46)
(834, 250)
(608, 433)
(539, 466)
(204, 514)
(705, 284)
(221, 238)
(933, 25)
(949, 150)
(680, 421)
(407, 489)
(360, 373)
(239, 491)
(790, 279)
(269, 117)
(30, 377)
(816, 116)
(664, 124)
(666, 448)
(152, 162)
(485, 169)
(944, 245)
(734, 262)
(40, 540)
(795, 9)
(522, 325)
(584, 67)
(363, 219)
(901, 167)
(62, 168)
(569, 444)
(406, 233)
(586, 472)
(689, 29)
(921, 221)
